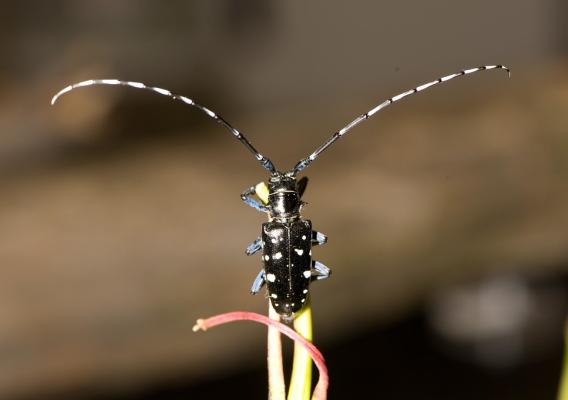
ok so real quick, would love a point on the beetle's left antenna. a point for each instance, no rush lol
(264, 161)
(303, 163)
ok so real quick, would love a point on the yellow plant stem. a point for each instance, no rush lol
(563, 392)
(276, 385)
(301, 380)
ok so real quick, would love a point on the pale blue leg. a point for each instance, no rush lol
(258, 282)
(246, 196)
(318, 238)
(320, 271)
(254, 247)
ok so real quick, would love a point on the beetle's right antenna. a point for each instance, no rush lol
(302, 164)
(264, 161)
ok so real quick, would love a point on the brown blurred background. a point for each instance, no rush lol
(121, 222)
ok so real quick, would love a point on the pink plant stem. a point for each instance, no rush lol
(320, 391)
(276, 384)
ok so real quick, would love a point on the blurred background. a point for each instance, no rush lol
(121, 222)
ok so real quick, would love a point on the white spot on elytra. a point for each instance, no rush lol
(277, 256)
(274, 295)
(293, 304)
(303, 300)
(273, 240)
(307, 274)
(270, 277)
(281, 239)
(305, 291)
(303, 237)
(299, 251)
(276, 304)
(267, 257)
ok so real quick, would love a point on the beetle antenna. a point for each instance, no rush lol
(264, 161)
(302, 164)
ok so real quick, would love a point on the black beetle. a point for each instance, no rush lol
(286, 239)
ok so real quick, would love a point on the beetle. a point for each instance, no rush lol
(286, 240)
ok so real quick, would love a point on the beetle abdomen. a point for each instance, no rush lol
(287, 260)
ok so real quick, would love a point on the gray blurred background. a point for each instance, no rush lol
(121, 223)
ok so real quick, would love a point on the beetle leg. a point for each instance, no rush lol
(258, 283)
(318, 238)
(254, 247)
(246, 196)
(320, 271)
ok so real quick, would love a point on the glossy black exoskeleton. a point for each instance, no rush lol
(286, 239)
(286, 242)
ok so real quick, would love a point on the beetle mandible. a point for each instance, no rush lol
(286, 239)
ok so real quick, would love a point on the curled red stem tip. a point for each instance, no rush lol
(320, 391)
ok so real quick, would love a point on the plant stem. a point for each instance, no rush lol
(301, 380)
(320, 391)
(563, 391)
(276, 385)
